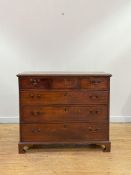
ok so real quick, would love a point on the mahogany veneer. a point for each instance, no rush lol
(59, 108)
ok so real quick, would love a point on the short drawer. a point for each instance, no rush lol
(49, 114)
(99, 83)
(48, 82)
(68, 132)
(63, 97)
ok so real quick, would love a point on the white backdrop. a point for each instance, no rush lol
(68, 35)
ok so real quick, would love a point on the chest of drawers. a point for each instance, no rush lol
(59, 108)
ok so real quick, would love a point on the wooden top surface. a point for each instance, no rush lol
(62, 73)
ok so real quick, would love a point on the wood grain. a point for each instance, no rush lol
(64, 132)
(39, 97)
(58, 91)
(64, 82)
(66, 161)
(46, 114)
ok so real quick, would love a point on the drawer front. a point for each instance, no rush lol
(63, 97)
(48, 83)
(96, 83)
(49, 114)
(72, 132)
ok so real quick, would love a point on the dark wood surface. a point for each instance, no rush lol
(64, 108)
(63, 97)
(65, 82)
(60, 132)
(47, 114)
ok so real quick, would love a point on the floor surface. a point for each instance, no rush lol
(66, 161)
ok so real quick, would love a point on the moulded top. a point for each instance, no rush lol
(62, 73)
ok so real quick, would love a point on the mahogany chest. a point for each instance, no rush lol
(60, 108)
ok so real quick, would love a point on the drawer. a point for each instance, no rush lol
(68, 132)
(94, 83)
(63, 97)
(48, 83)
(49, 114)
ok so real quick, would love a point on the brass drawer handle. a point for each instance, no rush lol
(38, 130)
(93, 112)
(65, 126)
(89, 128)
(95, 81)
(35, 113)
(93, 96)
(31, 95)
(66, 110)
(96, 112)
(38, 95)
(93, 130)
(35, 130)
(65, 94)
(34, 82)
